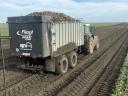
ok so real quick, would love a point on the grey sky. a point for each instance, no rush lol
(100, 1)
(89, 10)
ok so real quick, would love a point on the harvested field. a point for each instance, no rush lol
(90, 77)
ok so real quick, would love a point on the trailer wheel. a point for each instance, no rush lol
(62, 65)
(72, 59)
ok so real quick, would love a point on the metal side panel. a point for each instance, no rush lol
(82, 34)
(61, 37)
(75, 32)
(69, 30)
(78, 34)
(55, 37)
(72, 32)
(66, 32)
(45, 40)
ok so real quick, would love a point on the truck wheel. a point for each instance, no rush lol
(62, 65)
(72, 57)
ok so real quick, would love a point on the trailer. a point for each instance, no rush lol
(38, 38)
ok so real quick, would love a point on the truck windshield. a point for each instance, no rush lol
(92, 29)
(87, 29)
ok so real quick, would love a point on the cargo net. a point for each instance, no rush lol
(55, 17)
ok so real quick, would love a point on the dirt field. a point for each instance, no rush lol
(93, 76)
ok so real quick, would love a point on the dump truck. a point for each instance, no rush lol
(50, 46)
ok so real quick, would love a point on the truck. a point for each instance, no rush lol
(52, 46)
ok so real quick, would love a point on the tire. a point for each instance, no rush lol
(91, 46)
(62, 65)
(97, 44)
(72, 57)
(91, 50)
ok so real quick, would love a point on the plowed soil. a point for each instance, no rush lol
(94, 75)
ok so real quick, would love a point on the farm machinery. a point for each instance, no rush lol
(50, 41)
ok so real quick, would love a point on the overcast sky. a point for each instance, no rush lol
(87, 10)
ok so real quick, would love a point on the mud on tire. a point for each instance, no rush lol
(91, 46)
(72, 57)
(97, 44)
(62, 65)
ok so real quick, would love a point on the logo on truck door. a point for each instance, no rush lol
(27, 35)
(27, 46)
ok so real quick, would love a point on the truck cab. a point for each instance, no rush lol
(90, 38)
(88, 29)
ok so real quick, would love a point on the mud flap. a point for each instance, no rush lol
(50, 65)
